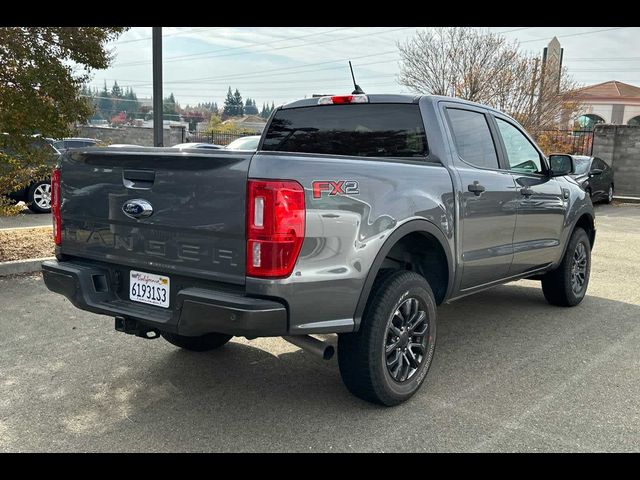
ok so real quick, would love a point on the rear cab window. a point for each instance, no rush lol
(364, 130)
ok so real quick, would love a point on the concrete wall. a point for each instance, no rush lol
(619, 146)
(133, 135)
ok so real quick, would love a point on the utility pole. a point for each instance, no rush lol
(156, 41)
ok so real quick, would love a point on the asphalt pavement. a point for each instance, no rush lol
(26, 219)
(510, 373)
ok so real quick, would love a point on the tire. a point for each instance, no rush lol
(203, 343)
(609, 197)
(558, 285)
(361, 355)
(39, 197)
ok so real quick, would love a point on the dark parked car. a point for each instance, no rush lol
(595, 176)
(68, 143)
(37, 194)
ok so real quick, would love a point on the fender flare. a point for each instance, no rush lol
(412, 226)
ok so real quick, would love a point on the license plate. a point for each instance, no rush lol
(149, 288)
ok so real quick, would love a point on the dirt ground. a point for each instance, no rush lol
(25, 243)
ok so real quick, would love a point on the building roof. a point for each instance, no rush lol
(611, 89)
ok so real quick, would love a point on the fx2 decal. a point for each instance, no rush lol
(340, 187)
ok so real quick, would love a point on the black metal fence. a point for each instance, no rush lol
(218, 138)
(575, 142)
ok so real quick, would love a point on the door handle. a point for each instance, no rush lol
(526, 191)
(476, 188)
(139, 179)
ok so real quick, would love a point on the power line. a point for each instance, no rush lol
(285, 69)
(575, 34)
(121, 42)
(180, 57)
(604, 59)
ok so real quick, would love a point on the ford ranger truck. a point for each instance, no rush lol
(357, 215)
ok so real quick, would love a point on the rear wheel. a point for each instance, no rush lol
(387, 360)
(566, 286)
(39, 197)
(203, 343)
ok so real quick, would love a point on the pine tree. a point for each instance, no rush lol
(132, 104)
(229, 105)
(237, 101)
(170, 108)
(250, 107)
(104, 102)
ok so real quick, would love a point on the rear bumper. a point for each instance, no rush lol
(195, 311)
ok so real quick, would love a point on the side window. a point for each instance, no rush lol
(597, 163)
(473, 138)
(522, 155)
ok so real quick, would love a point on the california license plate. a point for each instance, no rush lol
(149, 288)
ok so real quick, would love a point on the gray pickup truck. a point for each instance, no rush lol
(357, 216)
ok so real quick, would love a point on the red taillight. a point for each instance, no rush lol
(275, 227)
(55, 206)
(341, 99)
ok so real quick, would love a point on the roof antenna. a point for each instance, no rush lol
(357, 90)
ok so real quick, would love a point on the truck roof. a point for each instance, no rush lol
(396, 98)
(390, 98)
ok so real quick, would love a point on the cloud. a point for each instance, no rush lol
(270, 63)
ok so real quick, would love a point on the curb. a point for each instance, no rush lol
(24, 228)
(624, 199)
(22, 266)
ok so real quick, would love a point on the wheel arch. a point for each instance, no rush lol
(406, 232)
(587, 222)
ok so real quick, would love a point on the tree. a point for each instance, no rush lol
(229, 105)
(104, 102)
(43, 70)
(117, 105)
(250, 107)
(170, 108)
(131, 104)
(483, 67)
(237, 101)
(193, 117)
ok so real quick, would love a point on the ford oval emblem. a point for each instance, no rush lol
(137, 208)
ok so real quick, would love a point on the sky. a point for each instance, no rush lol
(281, 64)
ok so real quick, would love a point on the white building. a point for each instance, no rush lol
(609, 102)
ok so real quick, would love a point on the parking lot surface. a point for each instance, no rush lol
(26, 219)
(510, 373)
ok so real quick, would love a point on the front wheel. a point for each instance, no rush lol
(203, 343)
(39, 197)
(387, 360)
(566, 286)
(609, 198)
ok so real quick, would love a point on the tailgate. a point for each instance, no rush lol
(197, 223)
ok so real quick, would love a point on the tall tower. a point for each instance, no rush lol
(552, 65)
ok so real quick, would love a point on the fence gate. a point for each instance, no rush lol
(218, 138)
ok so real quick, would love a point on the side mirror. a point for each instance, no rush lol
(560, 165)
(595, 172)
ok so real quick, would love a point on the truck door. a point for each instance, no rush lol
(487, 198)
(541, 203)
